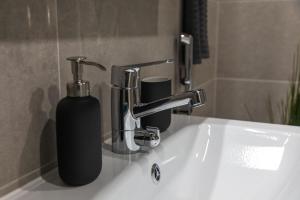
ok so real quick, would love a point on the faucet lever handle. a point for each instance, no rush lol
(127, 76)
(149, 137)
(147, 64)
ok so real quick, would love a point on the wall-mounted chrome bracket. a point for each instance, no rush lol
(185, 67)
(186, 41)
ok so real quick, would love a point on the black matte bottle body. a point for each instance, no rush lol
(78, 140)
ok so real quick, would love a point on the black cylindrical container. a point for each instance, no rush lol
(78, 140)
(154, 88)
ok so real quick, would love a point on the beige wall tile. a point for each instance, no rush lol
(257, 40)
(250, 100)
(30, 90)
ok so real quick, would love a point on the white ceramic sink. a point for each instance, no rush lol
(199, 159)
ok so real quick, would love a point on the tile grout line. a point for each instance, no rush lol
(206, 83)
(216, 56)
(58, 52)
(257, 1)
(34, 173)
(252, 80)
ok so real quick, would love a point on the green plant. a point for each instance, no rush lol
(291, 106)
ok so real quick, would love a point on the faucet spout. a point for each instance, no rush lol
(188, 100)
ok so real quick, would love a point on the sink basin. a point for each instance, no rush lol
(199, 159)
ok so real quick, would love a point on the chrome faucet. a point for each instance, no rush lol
(127, 134)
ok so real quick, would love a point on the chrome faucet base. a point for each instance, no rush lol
(124, 142)
(130, 142)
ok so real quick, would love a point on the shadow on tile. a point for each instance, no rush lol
(39, 151)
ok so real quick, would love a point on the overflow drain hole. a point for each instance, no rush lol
(155, 173)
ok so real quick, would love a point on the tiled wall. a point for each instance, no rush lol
(35, 39)
(29, 89)
(256, 43)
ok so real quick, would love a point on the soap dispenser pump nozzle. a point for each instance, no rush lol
(79, 87)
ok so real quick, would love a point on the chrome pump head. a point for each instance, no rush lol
(79, 87)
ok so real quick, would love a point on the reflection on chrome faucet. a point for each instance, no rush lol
(127, 134)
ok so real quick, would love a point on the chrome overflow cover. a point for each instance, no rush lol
(155, 173)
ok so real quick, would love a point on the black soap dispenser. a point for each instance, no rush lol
(78, 129)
